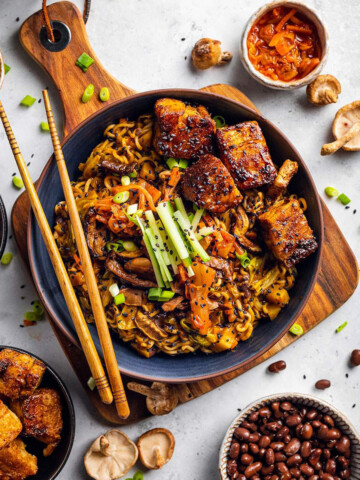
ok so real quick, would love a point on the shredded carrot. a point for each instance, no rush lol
(174, 177)
(134, 186)
(154, 192)
(182, 273)
(298, 29)
(285, 19)
(77, 261)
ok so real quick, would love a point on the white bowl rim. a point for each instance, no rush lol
(278, 84)
(292, 396)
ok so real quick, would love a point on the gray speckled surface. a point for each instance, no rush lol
(143, 47)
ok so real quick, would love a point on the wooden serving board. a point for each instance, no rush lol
(338, 276)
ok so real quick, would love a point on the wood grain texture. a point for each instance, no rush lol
(338, 275)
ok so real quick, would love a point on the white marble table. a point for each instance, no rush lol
(144, 44)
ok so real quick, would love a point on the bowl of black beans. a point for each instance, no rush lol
(290, 436)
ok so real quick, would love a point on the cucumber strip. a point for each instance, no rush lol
(163, 268)
(165, 215)
(150, 251)
(159, 241)
(184, 225)
(173, 257)
(199, 213)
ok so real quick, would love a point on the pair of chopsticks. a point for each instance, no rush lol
(107, 395)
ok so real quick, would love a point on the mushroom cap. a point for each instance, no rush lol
(110, 456)
(164, 402)
(343, 121)
(206, 53)
(156, 448)
(323, 90)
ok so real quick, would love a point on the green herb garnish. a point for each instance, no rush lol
(244, 259)
(296, 329)
(341, 327)
(331, 192)
(6, 258)
(344, 199)
(84, 62)
(6, 68)
(44, 127)
(17, 182)
(104, 94)
(88, 93)
(27, 101)
(219, 121)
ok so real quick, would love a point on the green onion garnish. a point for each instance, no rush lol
(6, 258)
(189, 233)
(331, 192)
(166, 295)
(129, 246)
(138, 476)
(84, 62)
(183, 163)
(344, 199)
(244, 259)
(171, 163)
(88, 93)
(104, 94)
(125, 180)
(44, 127)
(17, 182)
(114, 290)
(296, 329)
(133, 174)
(119, 299)
(6, 68)
(121, 197)
(30, 316)
(341, 327)
(91, 383)
(219, 121)
(38, 309)
(154, 293)
(115, 246)
(28, 101)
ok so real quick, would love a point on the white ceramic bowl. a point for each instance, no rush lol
(341, 422)
(323, 36)
(2, 70)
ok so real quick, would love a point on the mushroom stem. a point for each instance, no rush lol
(104, 446)
(330, 96)
(332, 147)
(159, 459)
(225, 58)
(144, 390)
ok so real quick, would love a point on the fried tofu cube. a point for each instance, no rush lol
(182, 131)
(287, 232)
(41, 416)
(20, 373)
(244, 152)
(209, 184)
(10, 425)
(287, 170)
(16, 463)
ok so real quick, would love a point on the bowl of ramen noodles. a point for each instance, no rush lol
(204, 228)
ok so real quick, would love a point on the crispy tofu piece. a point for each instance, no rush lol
(16, 463)
(182, 131)
(10, 425)
(287, 232)
(287, 170)
(20, 374)
(244, 152)
(209, 184)
(41, 416)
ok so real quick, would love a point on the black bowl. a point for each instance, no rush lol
(3, 227)
(78, 145)
(50, 467)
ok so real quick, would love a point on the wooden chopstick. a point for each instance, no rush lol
(72, 303)
(118, 391)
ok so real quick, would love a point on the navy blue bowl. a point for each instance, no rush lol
(78, 145)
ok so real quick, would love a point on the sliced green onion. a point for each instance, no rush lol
(30, 316)
(219, 121)
(129, 246)
(244, 259)
(88, 93)
(164, 211)
(125, 180)
(150, 251)
(104, 94)
(331, 192)
(188, 231)
(159, 241)
(44, 127)
(133, 174)
(341, 327)
(119, 299)
(121, 197)
(296, 329)
(6, 258)
(132, 209)
(27, 101)
(183, 163)
(115, 246)
(38, 309)
(6, 68)
(154, 293)
(166, 295)
(204, 232)
(17, 182)
(138, 476)
(114, 290)
(344, 199)
(171, 163)
(84, 62)
(199, 213)
(91, 383)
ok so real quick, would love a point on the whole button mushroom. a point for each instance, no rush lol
(207, 53)
(156, 448)
(110, 456)
(323, 90)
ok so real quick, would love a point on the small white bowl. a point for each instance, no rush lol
(323, 37)
(341, 422)
(2, 70)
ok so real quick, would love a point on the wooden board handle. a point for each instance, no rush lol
(69, 79)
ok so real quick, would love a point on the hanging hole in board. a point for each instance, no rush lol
(62, 36)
